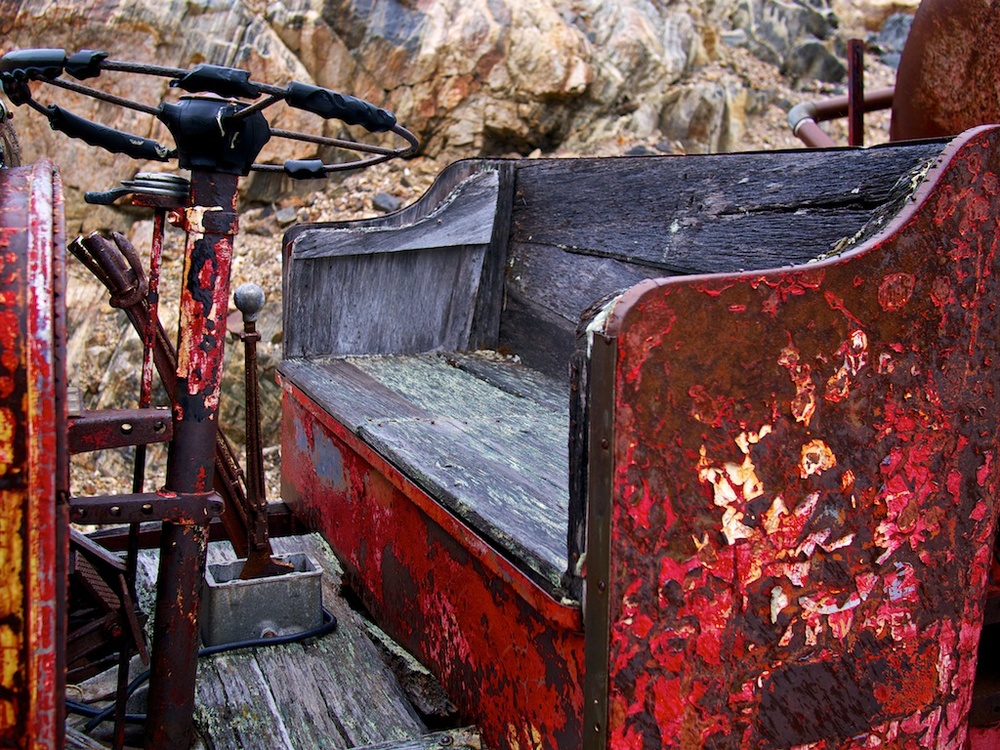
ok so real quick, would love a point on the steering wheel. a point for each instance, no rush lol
(213, 126)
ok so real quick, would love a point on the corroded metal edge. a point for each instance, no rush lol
(600, 490)
(32, 416)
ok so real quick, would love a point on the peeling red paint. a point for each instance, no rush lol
(825, 578)
(31, 420)
(896, 290)
(508, 654)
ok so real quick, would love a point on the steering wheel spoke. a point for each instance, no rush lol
(214, 126)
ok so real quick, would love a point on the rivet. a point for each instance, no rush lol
(116, 510)
(126, 428)
(604, 444)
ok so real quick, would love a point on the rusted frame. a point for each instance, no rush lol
(600, 491)
(103, 257)
(33, 457)
(117, 428)
(195, 507)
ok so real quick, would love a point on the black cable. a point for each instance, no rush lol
(82, 709)
(328, 625)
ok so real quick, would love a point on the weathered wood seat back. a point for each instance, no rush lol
(582, 229)
(509, 254)
(401, 284)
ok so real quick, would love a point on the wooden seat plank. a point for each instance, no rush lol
(485, 437)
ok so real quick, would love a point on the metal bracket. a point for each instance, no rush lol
(196, 507)
(600, 493)
(117, 428)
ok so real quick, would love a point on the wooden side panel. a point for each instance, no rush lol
(31, 428)
(407, 283)
(805, 467)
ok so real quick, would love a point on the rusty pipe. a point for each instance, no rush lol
(211, 226)
(803, 117)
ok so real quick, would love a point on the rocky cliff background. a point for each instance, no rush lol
(513, 78)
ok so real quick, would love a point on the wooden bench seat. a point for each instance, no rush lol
(480, 432)
(512, 256)
(665, 452)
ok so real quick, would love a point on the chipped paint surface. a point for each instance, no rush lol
(501, 647)
(30, 241)
(803, 516)
(204, 301)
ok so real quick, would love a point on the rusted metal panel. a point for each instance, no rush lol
(805, 467)
(506, 652)
(949, 70)
(32, 415)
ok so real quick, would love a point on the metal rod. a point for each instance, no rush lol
(328, 168)
(139, 468)
(257, 107)
(323, 140)
(104, 96)
(249, 300)
(149, 335)
(856, 92)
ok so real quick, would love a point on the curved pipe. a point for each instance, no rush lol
(803, 118)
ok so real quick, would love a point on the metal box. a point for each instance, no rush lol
(237, 610)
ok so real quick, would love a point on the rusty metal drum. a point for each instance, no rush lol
(949, 72)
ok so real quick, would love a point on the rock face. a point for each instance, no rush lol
(469, 76)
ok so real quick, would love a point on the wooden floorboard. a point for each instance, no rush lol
(336, 691)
